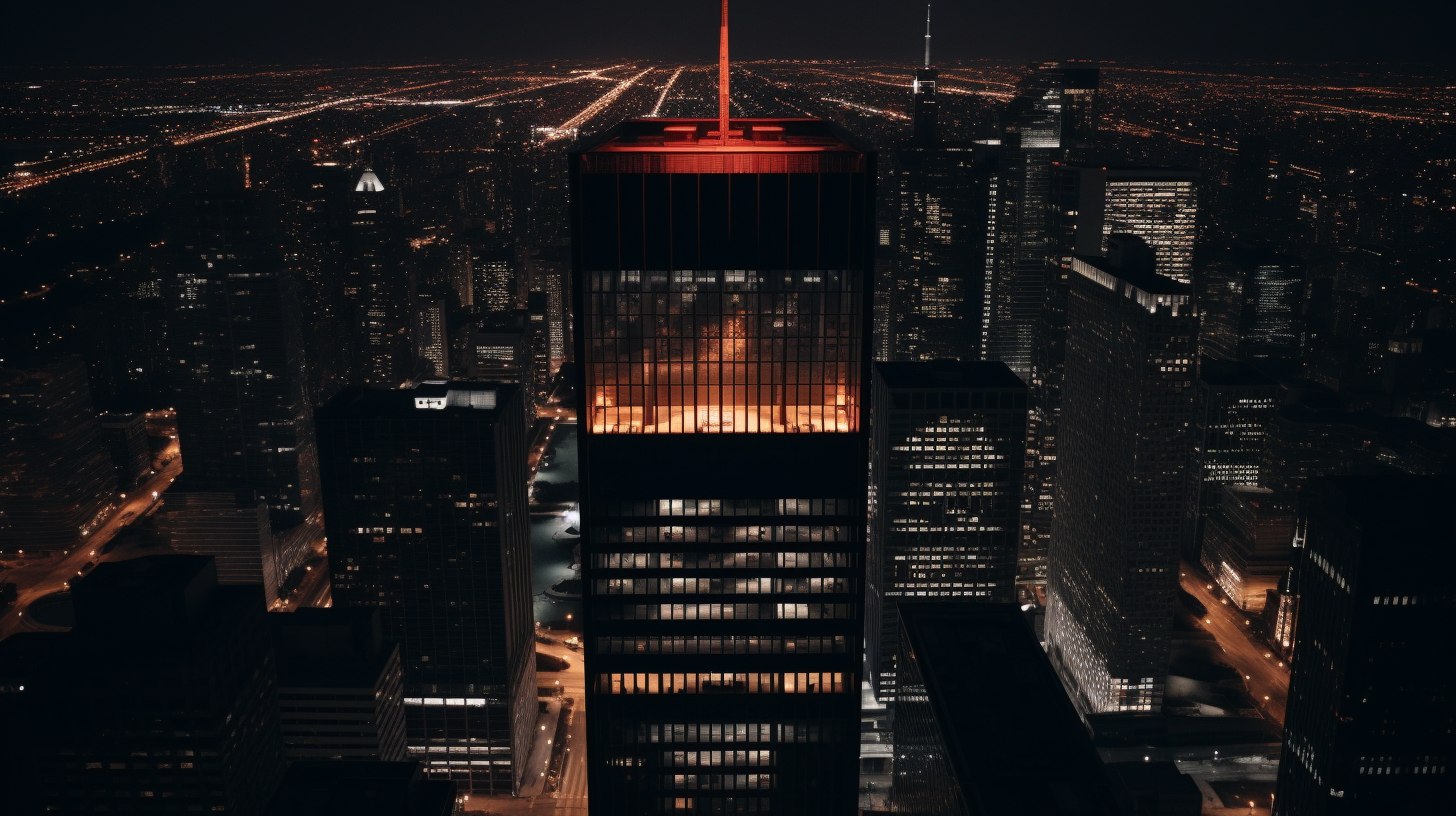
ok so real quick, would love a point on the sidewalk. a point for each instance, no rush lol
(540, 757)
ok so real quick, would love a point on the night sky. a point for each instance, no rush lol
(43, 32)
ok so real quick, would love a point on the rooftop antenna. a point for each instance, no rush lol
(723, 74)
(927, 31)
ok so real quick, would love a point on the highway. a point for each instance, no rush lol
(1264, 673)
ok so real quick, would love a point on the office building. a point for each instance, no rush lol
(432, 345)
(243, 420)
(982, 724)
(236, 534)
(426, 511)
(1122, 484)
(340, 685)
(1233, 409)
(924, 110)
(1368, 728)
(362, 788)
(945, 493)
(939, 287)
(375, 284)
(125, 436)
(1157, 204)
(187, 718)
(723, 308)
(538, 338)
(1246, 543)
(1252, 304)
(57, 480)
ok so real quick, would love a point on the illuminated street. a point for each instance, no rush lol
(1264, 673)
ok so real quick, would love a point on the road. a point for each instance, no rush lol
(1264, 673)
(50, 575)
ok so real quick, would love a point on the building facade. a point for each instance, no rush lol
(945, 494)
(425, 497)
(1123, 482)
(723, 309)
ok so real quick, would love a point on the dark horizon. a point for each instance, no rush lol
(270, 32)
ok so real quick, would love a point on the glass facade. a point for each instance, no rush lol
(722, 299)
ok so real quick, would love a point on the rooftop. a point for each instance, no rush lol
(1149, 283)
(948, 374)
(694, 146)
(432, 398)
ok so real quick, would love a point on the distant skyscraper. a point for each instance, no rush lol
(1253, 302)
(1368, 728)
(425, 502)
(925, 109)
(177, 650)
(1122, 486)
(945, 471)
(1157, 204)
(340, 687)
(57, 480)
(938, 290)
(493, 276)
(243, 418)
(432, 345)
(723, 296)
(983, 725)
(375, 283)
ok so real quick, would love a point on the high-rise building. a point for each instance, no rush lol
(1233, 409)
(426, 511)
(945, 494)
(723, 308)
(925, 110)
(340, 686)
(939, 288)
(376, 284)
(243, 418)
(1368, 729)
(1157, 204)
(57, 480)
(538, 339)
(1252, 302)
(493, 280)
(1246, 543)
(1123, 481)
(235, 534)
(432, 344)
(187, 719)
(983, 725)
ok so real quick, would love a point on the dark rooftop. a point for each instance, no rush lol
(948, 374)
(429, 400)
(1013, 737)
(1231, 373)
(357, 788)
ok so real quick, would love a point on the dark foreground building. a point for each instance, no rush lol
(946, 476)
(1370, 713)
(161, 699)
(982, 724)
(322, 788)
(722, 294)
(425, 506)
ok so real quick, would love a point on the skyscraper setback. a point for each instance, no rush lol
(723, 324)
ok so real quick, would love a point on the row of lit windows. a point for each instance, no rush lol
(721, 644)
(722, 781)
(727, 507)
(714, 733)
(723, 560)
(717, 759)
(776, 533)
(721, 586)
(716, 611)
(722, 683)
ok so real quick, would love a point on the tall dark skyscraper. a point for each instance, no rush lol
(925, 111)
(187, 720)
(1370, 715)
(1252, 302)
(723, 308)
(57, 480)
(945, 493)
(1234, 407)
(1122, 487)
(426, 507)
(243, 418)
(375, 283)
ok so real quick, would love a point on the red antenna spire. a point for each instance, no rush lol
(723, 75)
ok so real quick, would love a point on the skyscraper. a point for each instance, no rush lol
(425, 499)
(925, 113)
(243, 419)
(375, 283)
(1157, 204)
(723, 308)
(1368, 728)
(945, 493)
(1122, 486)
(187, 719)
(432, 344)
(1254, 300)
(1234, 407)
